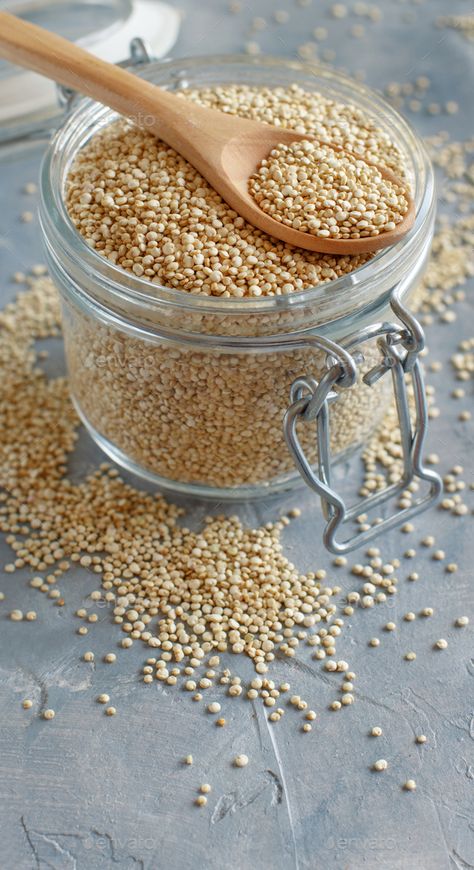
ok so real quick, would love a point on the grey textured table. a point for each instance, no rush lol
(86, 792)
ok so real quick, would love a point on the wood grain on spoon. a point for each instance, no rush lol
(225, 149)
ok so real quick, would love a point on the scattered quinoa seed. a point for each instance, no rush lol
(462, 621)
(214, 707)
(16, 615)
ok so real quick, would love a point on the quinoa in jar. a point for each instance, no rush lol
(185, 327)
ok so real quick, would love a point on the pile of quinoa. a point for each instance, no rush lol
(316, 189)
(188, 596)
(183, 593)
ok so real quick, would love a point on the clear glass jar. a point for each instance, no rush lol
(190, 391)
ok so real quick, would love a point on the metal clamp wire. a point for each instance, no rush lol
(319, 392)
(337, 356)
(411, 336)
(399, 347)
(414, 338)
(335, 503)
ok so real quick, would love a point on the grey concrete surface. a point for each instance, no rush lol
(85, 792)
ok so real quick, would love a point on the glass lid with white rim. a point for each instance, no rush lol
(29, 102)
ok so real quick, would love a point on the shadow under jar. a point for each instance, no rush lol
(217, 396)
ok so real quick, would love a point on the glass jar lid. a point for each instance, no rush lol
(31, 103)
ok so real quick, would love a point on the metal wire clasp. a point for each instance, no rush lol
(400, 346)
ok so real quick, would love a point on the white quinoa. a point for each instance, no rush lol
(241, 761)
(123, 155)
(207, 417)
(462, 621)
(121, 528)
(141, 205)
(441, 643)
(155, 572)
(319, 190)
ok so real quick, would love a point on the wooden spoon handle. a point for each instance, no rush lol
(56, 58)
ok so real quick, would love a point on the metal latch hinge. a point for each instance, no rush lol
(310, 401)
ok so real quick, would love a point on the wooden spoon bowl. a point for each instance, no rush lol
(241, 157)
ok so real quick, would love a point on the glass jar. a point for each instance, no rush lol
(219, 397)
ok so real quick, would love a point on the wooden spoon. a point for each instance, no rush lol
(225, 149)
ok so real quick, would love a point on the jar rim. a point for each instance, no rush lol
(345, 295)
